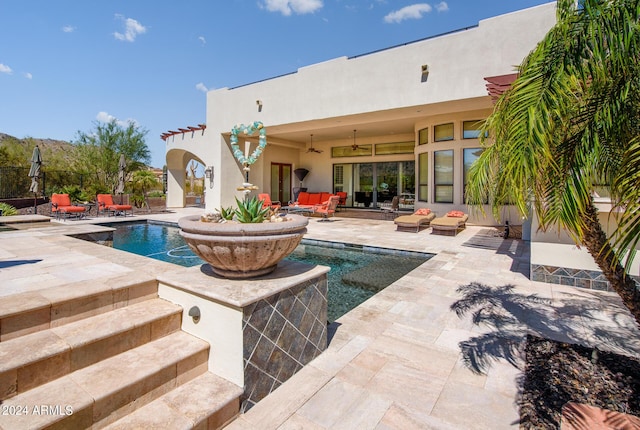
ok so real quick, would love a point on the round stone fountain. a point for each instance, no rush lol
(243, 250)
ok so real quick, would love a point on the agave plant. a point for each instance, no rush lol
(251, 211)
(227, 213)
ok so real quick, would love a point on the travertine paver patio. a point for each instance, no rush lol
(394, 362)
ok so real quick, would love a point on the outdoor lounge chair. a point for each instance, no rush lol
(327, 208)
(414, 222)
(266, 201)
(106, 206)
(391, 209)
(453, 221)
(61, 206)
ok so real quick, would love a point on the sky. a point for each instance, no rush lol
(66, 65)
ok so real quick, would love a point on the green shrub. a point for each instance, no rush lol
(76, 194)
(8, 210)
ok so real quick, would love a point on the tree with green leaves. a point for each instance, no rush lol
(571, 120)
(143, 181)
(98, 151)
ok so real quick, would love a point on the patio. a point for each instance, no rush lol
(395, 361)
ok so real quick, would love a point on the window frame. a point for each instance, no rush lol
(447, 138)
(439, 185)
(475, 135)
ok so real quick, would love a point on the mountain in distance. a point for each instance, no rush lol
(54, 144)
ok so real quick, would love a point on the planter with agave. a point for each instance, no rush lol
(249, 244)
(248, 241)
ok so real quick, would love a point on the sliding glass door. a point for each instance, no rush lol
(370, 184)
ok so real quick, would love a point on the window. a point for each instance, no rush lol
(348, 151)
(469, 155)
(443, 176)
(423, 136)
(471, 129)
(394, 148)
(443, 132)
(423, 177)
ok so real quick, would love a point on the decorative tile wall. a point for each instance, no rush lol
(281, 334)
(590, 279)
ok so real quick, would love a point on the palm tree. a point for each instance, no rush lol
(144, 180)
(572, 120)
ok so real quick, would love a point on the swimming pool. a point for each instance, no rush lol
(356, 274)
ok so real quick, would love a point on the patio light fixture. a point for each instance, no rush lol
(208, 173)
(425, 72)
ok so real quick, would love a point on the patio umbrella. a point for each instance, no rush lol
(122, 165)
(34, 174)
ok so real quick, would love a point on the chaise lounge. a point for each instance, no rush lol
(413, 223)
(453, 221)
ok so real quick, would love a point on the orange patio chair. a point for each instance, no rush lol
(106, 206)
(327, 208)
(343, 199)
(61, 206)
(266, 201)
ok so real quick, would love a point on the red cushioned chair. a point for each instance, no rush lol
(106, 206)
(61, 206)
(266, 201)
(343, 198)
(327, 208)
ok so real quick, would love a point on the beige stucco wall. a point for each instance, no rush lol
(555, 247)
(380, 81)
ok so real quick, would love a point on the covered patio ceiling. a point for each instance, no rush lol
(390, 123)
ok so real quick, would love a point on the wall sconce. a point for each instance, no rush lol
(194, 313)
(208, 173)
(259, 104)
(425, 72)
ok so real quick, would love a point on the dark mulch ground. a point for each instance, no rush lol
(557, 373)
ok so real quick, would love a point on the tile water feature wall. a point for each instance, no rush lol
(590, 279)
(261, 330)
(281, 334)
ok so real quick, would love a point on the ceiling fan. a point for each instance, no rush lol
(354, 146)
(312, 149)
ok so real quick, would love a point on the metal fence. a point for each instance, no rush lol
(15, 182)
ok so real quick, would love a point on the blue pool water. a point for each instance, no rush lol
(356, 273)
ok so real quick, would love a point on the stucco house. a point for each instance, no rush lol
(397, 121)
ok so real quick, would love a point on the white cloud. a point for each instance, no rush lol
(5, 69)
(286, 7)
(106, 117)
(28, 75)
(201, 87)
(414, 11)
(68, 29)
(132, 29)
(202, 39)
(442, 6)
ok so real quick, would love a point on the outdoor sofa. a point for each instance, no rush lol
(308, 200)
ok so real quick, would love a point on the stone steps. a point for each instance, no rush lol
(89, 354)
(102, 393)
(40, 357)
(207, 401)
(32, 311)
